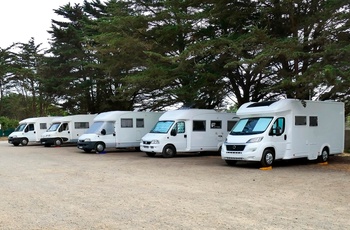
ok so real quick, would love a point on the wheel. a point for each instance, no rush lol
(324, 156)
(169, 151)
(24, 142)
(231, 162)
(16, 144)
(99, 147)
(151, 154)
(137, 149)
(47, 145)
(58, 142)
(87, 150)
(267, 158)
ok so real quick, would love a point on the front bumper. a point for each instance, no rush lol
(90, 145)
(154, 148)
(240, 152)
(15, 140)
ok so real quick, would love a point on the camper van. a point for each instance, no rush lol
(286, 129)
(66, 129)
(29, 130)
(117, 129)
(188, 130)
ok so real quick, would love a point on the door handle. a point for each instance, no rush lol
(185, 136)
(285, 136)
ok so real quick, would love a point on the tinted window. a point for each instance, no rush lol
(140, 123)
(215, 124)
(300, 120)
(126, 123)
(313, 121)
(198, 125)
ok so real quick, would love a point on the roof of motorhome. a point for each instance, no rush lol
(112, 115)
(80, 117)
(188, 113)
(268, 107)
(34, 119)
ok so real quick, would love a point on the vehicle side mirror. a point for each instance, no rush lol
(173, 132)
(275, 131)
(103, 132)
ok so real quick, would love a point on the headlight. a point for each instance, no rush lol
(254, 140)
(87, 139)
(154, 142)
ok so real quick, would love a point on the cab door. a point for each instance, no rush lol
(30, 132)
(178, 136)
(64, 132)
(279, 137)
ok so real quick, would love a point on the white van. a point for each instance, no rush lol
(117, 129)
(188, 130)
(286, 129)
(66, 129)
(29, 130)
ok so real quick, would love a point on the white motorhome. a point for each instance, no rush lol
(66, 129)
(188, 130)
(286, 129)
(29, 130)
(117, 129)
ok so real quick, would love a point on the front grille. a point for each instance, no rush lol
(235, 147)
(233, 158)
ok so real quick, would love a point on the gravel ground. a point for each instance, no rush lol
(64, 188)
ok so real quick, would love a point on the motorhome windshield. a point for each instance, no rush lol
(248, 126)
(54, 127)
(96, 127)
(162, 127)
(21, 127)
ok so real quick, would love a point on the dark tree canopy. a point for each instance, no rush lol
(152, 55)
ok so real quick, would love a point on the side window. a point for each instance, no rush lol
(79, 125)
(300, 120)
(43, 126)
(278, 127)
(313, 121)
(109, 127)
(31, 127)
(198, 125)
(126, 122)
(140, 123)
(64, 127)
(215, 124)
(230, 125)
(180, 127)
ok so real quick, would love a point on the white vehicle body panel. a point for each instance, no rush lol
(196, 130)
(30, 129)
(308, 128)
(68, 129)
(122, 129)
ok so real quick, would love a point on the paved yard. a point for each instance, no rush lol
(64, 188)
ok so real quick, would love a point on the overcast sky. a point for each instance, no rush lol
(22, 19)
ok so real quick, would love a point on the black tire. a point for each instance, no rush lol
(58, 142)
(47, 145)
(151, 154)
(87, 150)
(99, 147)
(137, 149)
(24, 141)
(268, 157)
(231, 162)
(169, 151)
(324, 156)
(16, 144)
